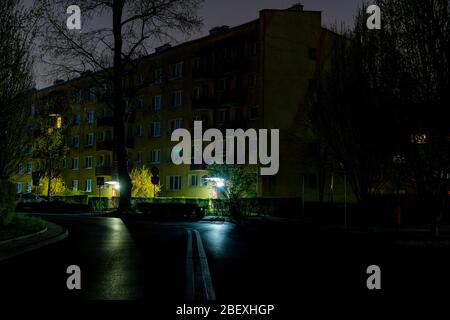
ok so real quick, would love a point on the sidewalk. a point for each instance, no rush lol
(15, 247)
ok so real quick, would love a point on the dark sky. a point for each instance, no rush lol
(235, 12)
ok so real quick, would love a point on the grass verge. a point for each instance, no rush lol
(21, 225)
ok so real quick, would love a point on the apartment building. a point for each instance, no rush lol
(255, 75)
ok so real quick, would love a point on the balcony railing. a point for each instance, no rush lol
(130, 142)
(237, 96)
(106, 145)
(202, 73)
(102, 171)
(203, 103)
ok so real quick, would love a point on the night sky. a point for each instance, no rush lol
(235, 12)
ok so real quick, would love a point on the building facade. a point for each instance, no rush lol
(256, 75)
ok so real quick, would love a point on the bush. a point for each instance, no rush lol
(172, 210)
(7, 202)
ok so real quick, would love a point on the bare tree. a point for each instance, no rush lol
(112, 49)
(351, 109)
(422, 42)
(16, 35)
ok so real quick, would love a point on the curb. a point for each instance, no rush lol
(36, 245)
(25, 236)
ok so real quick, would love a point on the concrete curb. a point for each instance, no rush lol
(24, 237)
(13, 252)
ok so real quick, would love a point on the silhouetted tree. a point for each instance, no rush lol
(132, 27)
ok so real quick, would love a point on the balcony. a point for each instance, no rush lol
(203, 103)
(237, 96)
(202, 73)
(106, 145)
(105, 122)
(236, 64)
(130, 142)
(102, 171)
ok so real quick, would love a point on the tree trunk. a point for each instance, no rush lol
(119, 111)
(49, 190)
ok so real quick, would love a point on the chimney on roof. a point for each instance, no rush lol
(219, 29)
(296, 7)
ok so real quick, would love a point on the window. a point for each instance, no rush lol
(88, 162)
(177, 98)
(254, 49)
(196, 63)
(88, 185)
(204, 181)
(176, 70)
(196, 94)
(101, 136)
(140, 131)
(28, 187)
(224, 84)
(155, 129)
(312, 53)
(158, 76)
(139, 105)
(63, 163)
(101, 160)
(29, 168)
(75, 185)
(90, 117)
(74, 163)
(90, 139)
(174, 183)
(19, 168)
(19, 187)
(76, 141)
(193, 180)
(156, 103)
(254, 112)
(221, 115)
(253, 80)
(77, 119)
(138, 157)
(175, 124)
(155, 156)
(78, 97)
(92, 94)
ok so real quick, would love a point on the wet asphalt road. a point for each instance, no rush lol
(273, 263)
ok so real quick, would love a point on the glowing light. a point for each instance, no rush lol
(218, 182)
(114, 184)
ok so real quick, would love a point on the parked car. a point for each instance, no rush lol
(29, 198)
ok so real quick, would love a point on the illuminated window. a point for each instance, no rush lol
(419, 138)
(88, 185)
(58, 122)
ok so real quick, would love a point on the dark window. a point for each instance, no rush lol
(312, 53)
